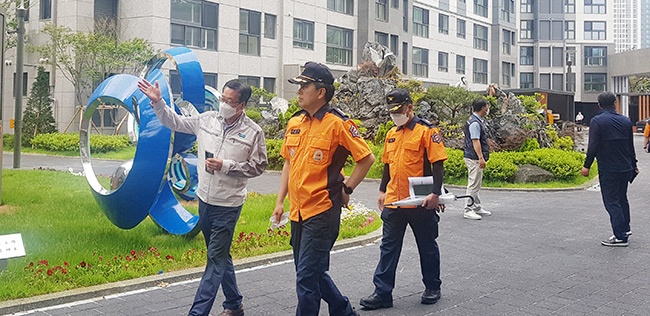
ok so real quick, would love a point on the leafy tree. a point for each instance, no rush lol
(87, 58)
(37, 117)
(639, 84)
(12, 23)
(451, 104)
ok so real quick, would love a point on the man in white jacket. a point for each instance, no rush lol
(231, 149)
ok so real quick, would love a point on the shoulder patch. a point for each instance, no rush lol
(436, 137)
(354, 131)
(339, 113)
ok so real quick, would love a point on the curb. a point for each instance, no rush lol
(102, 290)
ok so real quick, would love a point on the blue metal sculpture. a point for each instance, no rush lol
(161, 165)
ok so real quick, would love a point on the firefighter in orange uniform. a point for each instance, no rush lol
(413, 148)
(317, 142)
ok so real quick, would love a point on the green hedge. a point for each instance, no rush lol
(70, 142)
(502, 166)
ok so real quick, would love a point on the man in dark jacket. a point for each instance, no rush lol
(611, 143)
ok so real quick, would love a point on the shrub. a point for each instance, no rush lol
(500, 168)
(7, 140)
(380, 137)
(529, 144)
(563, 143)
(70, 142)
(273, 147)
(455, 165)
(254, 114)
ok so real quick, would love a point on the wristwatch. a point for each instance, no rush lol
(348, 190)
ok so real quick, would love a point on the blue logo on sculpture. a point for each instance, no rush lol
(161, 165)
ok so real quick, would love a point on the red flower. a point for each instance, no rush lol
(43, 262)
(169, 257)
(50, 272)
(64, 271)
(101, 258)
(133, 252)
(128, 258)
(83, 264)
(65, 263)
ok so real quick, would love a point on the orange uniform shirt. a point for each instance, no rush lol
(409, 150)
(317, 148)
(646, 131)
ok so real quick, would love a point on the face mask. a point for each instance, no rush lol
(226, 111)
(399, 118)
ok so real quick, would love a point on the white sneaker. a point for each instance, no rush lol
(471, 215)
(483, 212)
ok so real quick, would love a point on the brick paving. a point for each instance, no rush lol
(538, 254)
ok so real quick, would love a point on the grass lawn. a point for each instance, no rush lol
(70, 243)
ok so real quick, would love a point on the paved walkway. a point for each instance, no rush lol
(538, 254)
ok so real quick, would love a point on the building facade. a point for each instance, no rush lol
(265, 42)
(563, 46)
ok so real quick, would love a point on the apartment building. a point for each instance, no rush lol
(265, 42)
(627, 25)
(563, 46)
(645, 23)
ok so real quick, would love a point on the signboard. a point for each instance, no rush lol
(11, 246)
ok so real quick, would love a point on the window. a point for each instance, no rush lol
(210, 79)
(339, 46)
(194, 23)
(443, 23)
(595, 30)
(381, 38)
(394, 44)
(481, 8)
(526, 29)
(381, 10)
(569, 29)
(569, 6)
(420, 62)
(394, 4)
(343, 6)
(558, 57)
(545, 81)
(595, 6)
(526, 55)
(46, 10)
(506, 73)
(405, 17)
(595, 56)
(508, 41)
(24, 84)
(507, 10)
(460, 64)
(480, 71)
(460, 28)
(249, 80)
(557, 82)
(595, 82)
(526, 6)
(405, 54)
(443, 62)
(303, 34)
(270, 21)
(480, 37)
(545, 56)
(420, 22)
(526, 80)
(250, 25)
(269, 85)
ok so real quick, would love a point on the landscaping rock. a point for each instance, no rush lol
(530, 173)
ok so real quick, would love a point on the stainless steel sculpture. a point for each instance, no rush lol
(162, 164)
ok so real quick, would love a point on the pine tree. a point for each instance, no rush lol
(37, 117)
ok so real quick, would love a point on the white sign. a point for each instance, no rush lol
(11, 246)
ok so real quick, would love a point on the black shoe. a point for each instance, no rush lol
(430, 296)
(375, 301)
(613, 242)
